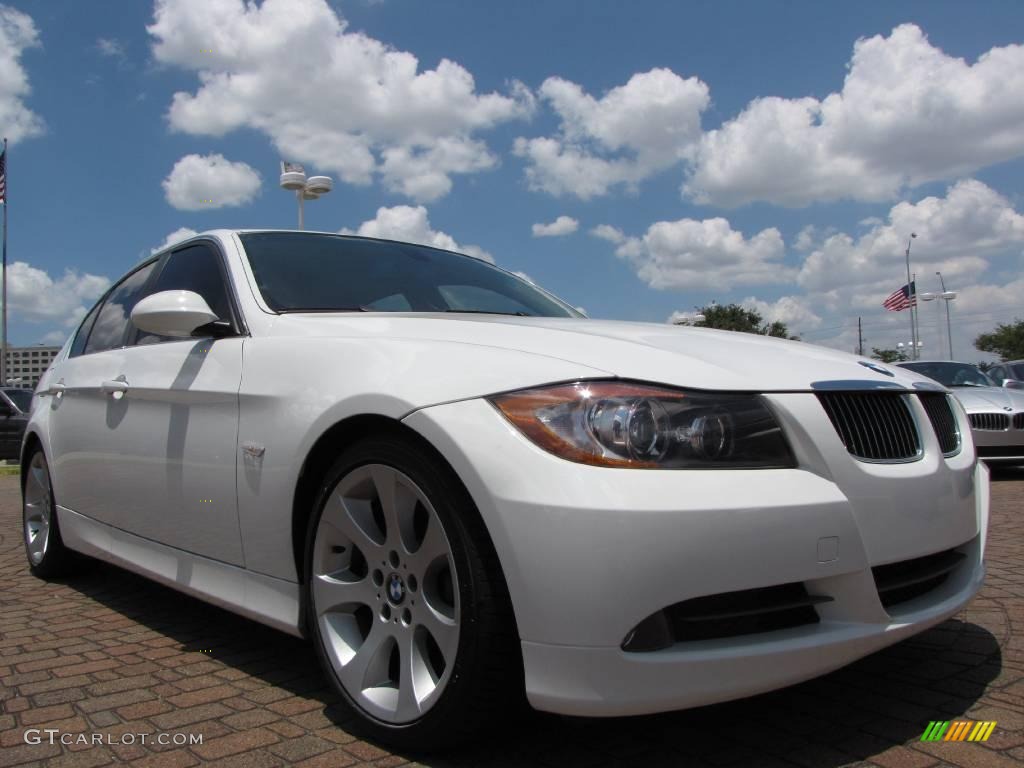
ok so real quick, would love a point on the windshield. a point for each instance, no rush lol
(22, 398)
(299, 272)
(952, 374)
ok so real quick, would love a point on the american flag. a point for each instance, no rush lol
(3, 177)
(901, 299)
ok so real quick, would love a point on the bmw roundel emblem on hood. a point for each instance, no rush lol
(876, 368)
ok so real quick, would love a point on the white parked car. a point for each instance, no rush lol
(460, 489)
(996, 413)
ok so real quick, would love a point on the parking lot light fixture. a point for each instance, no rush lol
(294, 179)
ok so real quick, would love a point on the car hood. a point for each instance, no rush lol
(683, 356)
(990, 399)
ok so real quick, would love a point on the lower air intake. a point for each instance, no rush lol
(729, 614)
(899, 582)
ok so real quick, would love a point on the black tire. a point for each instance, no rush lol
(486, 681)
(57, 560)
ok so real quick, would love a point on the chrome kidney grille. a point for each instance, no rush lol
(940, 414)
(990, 422)
(874, 426)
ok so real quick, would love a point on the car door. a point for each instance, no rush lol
(12, 424)
(172, 418)
(82, 433)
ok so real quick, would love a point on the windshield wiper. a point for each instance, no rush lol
(488, 312)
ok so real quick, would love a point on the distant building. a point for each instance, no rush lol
(26, 364)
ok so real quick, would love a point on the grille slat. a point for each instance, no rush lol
(989, 422)
(877, 426)
(1018, 421)
(940, 414)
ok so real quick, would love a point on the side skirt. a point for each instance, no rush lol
(270, 601)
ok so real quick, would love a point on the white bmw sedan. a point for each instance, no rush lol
(460, 489)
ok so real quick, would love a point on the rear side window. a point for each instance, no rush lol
(195, 269)
(111, 324)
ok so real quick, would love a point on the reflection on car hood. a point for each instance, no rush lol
(975, 399)
(677, 355)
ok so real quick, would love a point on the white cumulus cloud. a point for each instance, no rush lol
(412, 224)
(630, 133)
(36, 297)
(337, 99)
(563, 225)
(181, 233)
(954, 233)
(199, 182)
(694, 254)
(907, 113)
(17, 33)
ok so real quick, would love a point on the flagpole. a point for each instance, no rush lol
(3, 278)
(912, 296)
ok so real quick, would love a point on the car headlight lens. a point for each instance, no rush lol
(616, 424)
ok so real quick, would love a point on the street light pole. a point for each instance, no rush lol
(948, 296)
(911, 288)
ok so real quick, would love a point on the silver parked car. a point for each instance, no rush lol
(996, 413)
(1009, 374)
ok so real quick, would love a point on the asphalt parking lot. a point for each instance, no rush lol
(112, 654)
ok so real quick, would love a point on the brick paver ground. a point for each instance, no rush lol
(110, 653)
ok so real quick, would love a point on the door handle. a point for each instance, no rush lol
(113, 387)
(54, 389)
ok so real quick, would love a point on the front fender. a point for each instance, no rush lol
(295, 389)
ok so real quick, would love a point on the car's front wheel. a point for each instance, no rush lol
(47, 555)
(407, 606)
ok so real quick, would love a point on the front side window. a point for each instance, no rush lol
(996, 374)
(298, 272)
(197, 269)
(111, 324)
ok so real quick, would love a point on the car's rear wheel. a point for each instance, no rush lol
(406, 604)
(47, 555)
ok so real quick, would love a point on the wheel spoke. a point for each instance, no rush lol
(408, 707)
(433, 545)
(369, 666)
(444, 630)
(396, 505)
(330, 593)
(346, 516)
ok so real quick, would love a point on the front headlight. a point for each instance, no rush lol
(617, 424)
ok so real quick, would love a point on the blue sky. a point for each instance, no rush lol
(726, 151)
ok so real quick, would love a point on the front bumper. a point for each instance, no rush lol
(995, 445)
(589, 552)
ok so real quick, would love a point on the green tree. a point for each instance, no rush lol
(733, 317)
(888, 355)
(1007, 340)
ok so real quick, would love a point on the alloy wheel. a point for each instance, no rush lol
(38, 510)
(385, 593)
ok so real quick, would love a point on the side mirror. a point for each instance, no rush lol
(172, 313)
(1013, 384)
